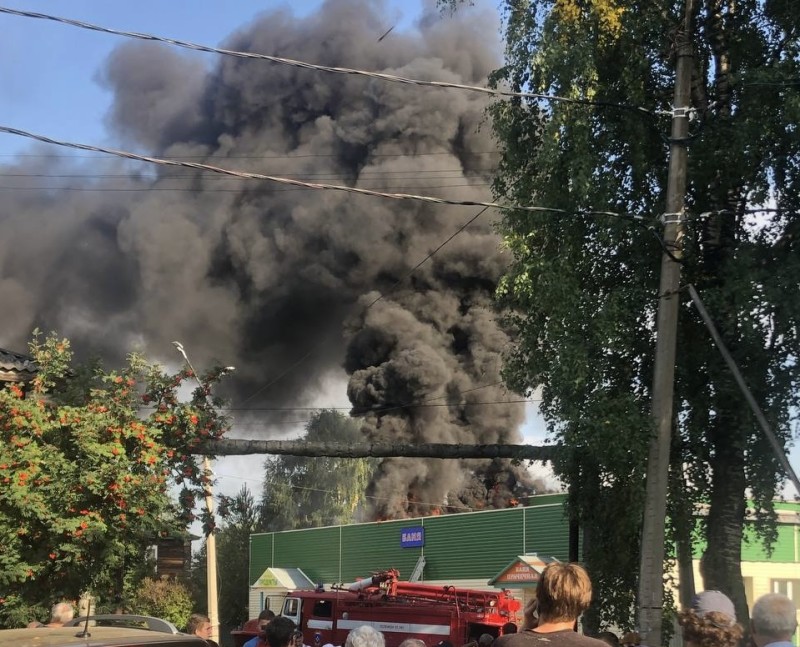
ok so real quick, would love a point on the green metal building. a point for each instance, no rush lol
(466, 549)
(472, 548)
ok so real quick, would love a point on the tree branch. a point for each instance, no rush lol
(238, 447)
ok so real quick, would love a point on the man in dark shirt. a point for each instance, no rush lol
(563, 593)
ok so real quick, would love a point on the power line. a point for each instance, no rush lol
(366, 496)
(321, 343)
(370, 174)
(178, 189)
(421, 403)
(399, 406)
(311, 66)
(428, 257)
(309, 185)
(321, 186)
(260, 157)
(373, 497)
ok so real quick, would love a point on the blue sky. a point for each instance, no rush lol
(49, 72)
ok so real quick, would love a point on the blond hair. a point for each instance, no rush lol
(564, 592)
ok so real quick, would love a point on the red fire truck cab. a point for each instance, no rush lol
(399, 610)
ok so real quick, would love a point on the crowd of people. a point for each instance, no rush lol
(550, 619)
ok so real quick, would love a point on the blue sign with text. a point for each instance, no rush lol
(413, 537)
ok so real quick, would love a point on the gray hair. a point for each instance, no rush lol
(365, 636)
(62, 612)
(774, 615)
(412, 642)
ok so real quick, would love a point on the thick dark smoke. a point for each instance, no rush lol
(256, 274)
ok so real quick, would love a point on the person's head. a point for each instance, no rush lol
(364, 636)
(564, 592)
(60, 613)
(711, 621)
(412, 642)
(509, 628)
(264, 618)
(773, 619)
(297, 638)
(199, 625)
(631, 639)
(279, 632)
(609, 637)
(485, 640)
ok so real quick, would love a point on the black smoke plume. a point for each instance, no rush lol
(115, 255)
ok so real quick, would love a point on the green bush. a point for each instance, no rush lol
(15, 612)
(164, 598)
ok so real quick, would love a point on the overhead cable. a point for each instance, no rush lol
(260, 157)
(397, 283)
(413, 405)
(147, 189)
(311, 66)
(245, 175)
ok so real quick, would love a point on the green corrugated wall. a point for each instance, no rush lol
(547, 531)
(375, 547)
(782, 551)
(260, 554)
(461, 546)
(467, 546)
(316, 552)
(475, 545)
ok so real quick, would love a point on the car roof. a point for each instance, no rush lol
(129, 620)
(98, 637)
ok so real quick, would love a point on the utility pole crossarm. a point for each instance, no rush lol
(237, 447)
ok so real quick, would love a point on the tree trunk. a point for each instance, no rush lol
(721, 563)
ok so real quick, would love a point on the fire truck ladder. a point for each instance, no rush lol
(417, 574)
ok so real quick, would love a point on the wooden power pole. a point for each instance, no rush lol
(211, 541)
(651, 571)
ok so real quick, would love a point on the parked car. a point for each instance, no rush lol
(95, 636)
(128, 620)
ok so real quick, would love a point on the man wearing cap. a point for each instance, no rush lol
(710, 622)
(773, 621)
(563, 593)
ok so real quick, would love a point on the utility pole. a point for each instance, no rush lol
(211, 540)
(651, 571)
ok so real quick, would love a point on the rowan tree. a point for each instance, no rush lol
(86, 472)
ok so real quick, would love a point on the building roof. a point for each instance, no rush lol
(287, 578)
(16, 367)
(525, 570)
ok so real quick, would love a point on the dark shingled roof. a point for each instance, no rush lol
(16, 367)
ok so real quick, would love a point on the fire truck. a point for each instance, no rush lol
(399, 610)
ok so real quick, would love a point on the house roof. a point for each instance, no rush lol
(16, 367)
(525, 570)
(287, 578)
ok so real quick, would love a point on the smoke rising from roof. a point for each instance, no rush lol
(255, 274)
